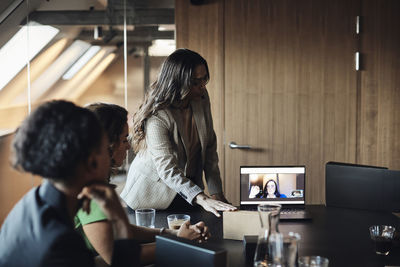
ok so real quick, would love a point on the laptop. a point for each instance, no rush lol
(283, 185)
(172, 251)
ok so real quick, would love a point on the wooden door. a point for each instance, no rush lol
(290, 87)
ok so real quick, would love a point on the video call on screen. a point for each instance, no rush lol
(272, 186)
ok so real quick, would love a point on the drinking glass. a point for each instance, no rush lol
(176, 220)
(382, 235)
(290, 249)
(145, 217)
(313, 261)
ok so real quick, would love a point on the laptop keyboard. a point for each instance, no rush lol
(293, 211)
(283, 211)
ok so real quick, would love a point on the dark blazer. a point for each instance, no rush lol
(38, 232)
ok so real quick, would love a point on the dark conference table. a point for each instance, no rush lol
(341, 235)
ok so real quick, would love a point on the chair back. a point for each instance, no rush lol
(355, 186)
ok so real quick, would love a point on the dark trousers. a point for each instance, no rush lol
(180, 204)
(177, 205)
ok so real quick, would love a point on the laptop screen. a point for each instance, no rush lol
(275, 184)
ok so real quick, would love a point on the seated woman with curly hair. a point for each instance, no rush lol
(66, 145)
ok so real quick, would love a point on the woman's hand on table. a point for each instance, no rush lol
(198, 231)
(220, 197)
(213, 205)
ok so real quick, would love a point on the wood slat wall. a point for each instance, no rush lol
(13, 184)
(290, 67)
(298, 58)
(200, 28)
(379, 142)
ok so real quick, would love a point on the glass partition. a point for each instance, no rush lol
(82, 51)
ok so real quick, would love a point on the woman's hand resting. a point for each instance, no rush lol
(198, 231)
(213, 205)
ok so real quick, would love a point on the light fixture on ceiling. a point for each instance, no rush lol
(98, 33)
(166, 27)
(161, 48)
(14, 55)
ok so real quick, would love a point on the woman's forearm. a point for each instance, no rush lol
(147, 234)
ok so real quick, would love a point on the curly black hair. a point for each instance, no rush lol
(55, 139)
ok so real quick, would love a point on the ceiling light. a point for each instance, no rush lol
(98, 33)
(67, 87)
(39, 64)
(92, 76)
(81, 62)
(162, 48)
(14, 54)
(166, 27)
(55, 71)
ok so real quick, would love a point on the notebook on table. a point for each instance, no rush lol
(283, 185)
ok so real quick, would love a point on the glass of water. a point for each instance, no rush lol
(145, 217)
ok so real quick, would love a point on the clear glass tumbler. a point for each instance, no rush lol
(176, 220)
(382, 235)
(145, 217)
(290, 249)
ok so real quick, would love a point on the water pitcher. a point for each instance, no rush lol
(269, 251)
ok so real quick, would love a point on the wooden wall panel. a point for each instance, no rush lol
(292, 63)
(379, 142)
(200, 28)
(290, 86)
(13, 184)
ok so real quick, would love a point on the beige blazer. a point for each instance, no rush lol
(157, 173)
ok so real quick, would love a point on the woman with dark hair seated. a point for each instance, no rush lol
(95, 227)
(66, 145)
(271, 191)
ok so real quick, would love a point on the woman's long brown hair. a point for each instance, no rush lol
(170, 89)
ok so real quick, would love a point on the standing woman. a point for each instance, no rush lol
(175, 141)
